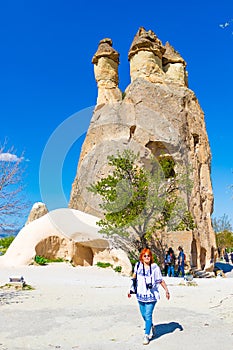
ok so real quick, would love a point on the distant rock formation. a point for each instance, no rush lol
(38, 209)
(64, 233)
(106, 61)
(158, 115)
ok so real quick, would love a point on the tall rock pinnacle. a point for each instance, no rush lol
(106, 61)
(158, 116)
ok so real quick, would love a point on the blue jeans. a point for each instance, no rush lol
(171, 270)
(146, 310)
(180, 269)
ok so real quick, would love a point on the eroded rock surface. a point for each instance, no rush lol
(159, 115)
(38, 209)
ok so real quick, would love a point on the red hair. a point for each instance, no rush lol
(146, 251)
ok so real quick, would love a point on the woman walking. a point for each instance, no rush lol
(147, 277)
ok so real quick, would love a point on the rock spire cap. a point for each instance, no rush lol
(105, 49)
(172, 56)
(146, 41)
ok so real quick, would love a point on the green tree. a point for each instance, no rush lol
(137, 198)
(224, 240)
(221, 224)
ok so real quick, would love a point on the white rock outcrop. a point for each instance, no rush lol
(64, 233)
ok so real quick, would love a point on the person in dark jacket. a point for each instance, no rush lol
(226, 257)
(181, 260)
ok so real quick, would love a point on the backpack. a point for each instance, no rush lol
(169, 258)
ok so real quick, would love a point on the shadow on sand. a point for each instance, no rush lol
(165, 328)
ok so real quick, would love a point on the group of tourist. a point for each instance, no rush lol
(170, 263)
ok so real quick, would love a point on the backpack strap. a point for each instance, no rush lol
(134, 280)
(138, 263)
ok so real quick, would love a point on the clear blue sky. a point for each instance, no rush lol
(46, 74)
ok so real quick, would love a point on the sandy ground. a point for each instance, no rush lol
(87, 308)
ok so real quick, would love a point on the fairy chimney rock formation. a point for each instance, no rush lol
(106, 61)
(174, 66)
(160, 116)
(145, 56)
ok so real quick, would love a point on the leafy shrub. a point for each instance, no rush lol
(103, 264)
(44, 261)
(41, 260)
(118, 268)
(5, 243)
(107, 264)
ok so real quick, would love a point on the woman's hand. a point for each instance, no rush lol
(163, 284)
